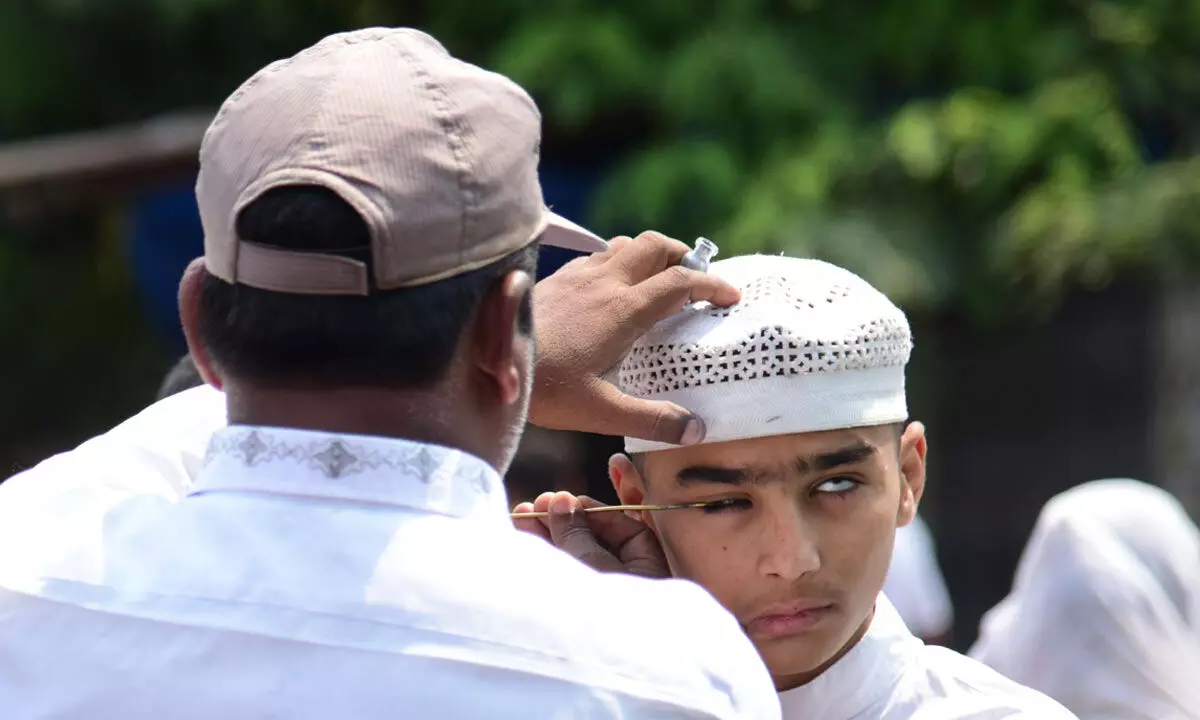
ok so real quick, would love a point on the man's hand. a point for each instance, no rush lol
(588, 315)
(607, 541)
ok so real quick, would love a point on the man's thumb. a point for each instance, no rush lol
(615, 413)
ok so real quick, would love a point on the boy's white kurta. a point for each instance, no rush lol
(1104, 614)
(298, 574)
(891, 675)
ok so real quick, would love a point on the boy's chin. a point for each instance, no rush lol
(794, 660)
(795, 657)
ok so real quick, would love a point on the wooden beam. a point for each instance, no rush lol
(42, 162)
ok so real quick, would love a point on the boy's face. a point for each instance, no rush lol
(801, 547)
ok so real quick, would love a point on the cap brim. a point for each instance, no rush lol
(561, 232)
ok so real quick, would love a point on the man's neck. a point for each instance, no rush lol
(421, 416)
(790, 682)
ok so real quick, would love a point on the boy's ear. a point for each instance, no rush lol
(627, 482)
(913, 447)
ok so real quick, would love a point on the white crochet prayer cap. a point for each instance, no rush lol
(810, 347)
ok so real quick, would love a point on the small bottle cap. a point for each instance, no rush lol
(700, 255)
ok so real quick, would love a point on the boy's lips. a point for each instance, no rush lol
(790, 618)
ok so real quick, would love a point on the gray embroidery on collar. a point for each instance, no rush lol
(337, 458)
(426, 465)
(252, 447)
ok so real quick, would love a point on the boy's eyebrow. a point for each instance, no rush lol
(849, 455)
(820, 462)
(705, 475)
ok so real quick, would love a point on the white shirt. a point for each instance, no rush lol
(891, 675)
(1104, 614)
(915, 584)
(159, 451)
(309, 575)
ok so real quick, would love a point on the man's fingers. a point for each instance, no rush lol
(533, 526)
(611, 529)
(542, 502)
(675, 250)
(613, 412)
(634, 544)
(586, 503)
(569, 531)
(647, 255)
(645, 555)
(615, 247)
(666, 293)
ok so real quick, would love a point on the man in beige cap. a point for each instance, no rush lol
(372, 212)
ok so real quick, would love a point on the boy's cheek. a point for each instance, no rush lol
(706, 561)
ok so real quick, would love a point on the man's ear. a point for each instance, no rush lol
(912, 472)
(189, 318)
(627, 482)
(501, 349)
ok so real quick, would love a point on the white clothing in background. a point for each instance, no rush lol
(915, 584)
(1104, 614)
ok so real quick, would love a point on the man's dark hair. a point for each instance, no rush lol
(183, 376)
(394, 338)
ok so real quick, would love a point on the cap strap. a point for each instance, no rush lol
(288, 271)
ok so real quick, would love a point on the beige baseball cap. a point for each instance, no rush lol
(438, 156)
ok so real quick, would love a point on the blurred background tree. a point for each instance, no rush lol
(958, 154)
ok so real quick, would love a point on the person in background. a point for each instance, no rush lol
(1104, 613)
(372, 215)
(915, 585)
(808, 468)
(184, 375)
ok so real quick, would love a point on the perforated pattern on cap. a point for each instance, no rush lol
(797, 318)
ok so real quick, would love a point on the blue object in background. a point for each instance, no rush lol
(165, 235)
(566, 190)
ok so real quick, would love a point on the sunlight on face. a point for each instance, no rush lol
(799, 548)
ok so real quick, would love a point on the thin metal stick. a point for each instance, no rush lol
(615, 508)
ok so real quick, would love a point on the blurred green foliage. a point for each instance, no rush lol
(976, 156)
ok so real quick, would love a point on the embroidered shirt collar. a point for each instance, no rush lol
(354, 468)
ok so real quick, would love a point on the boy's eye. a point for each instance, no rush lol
(717, 506)
(837, 486)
